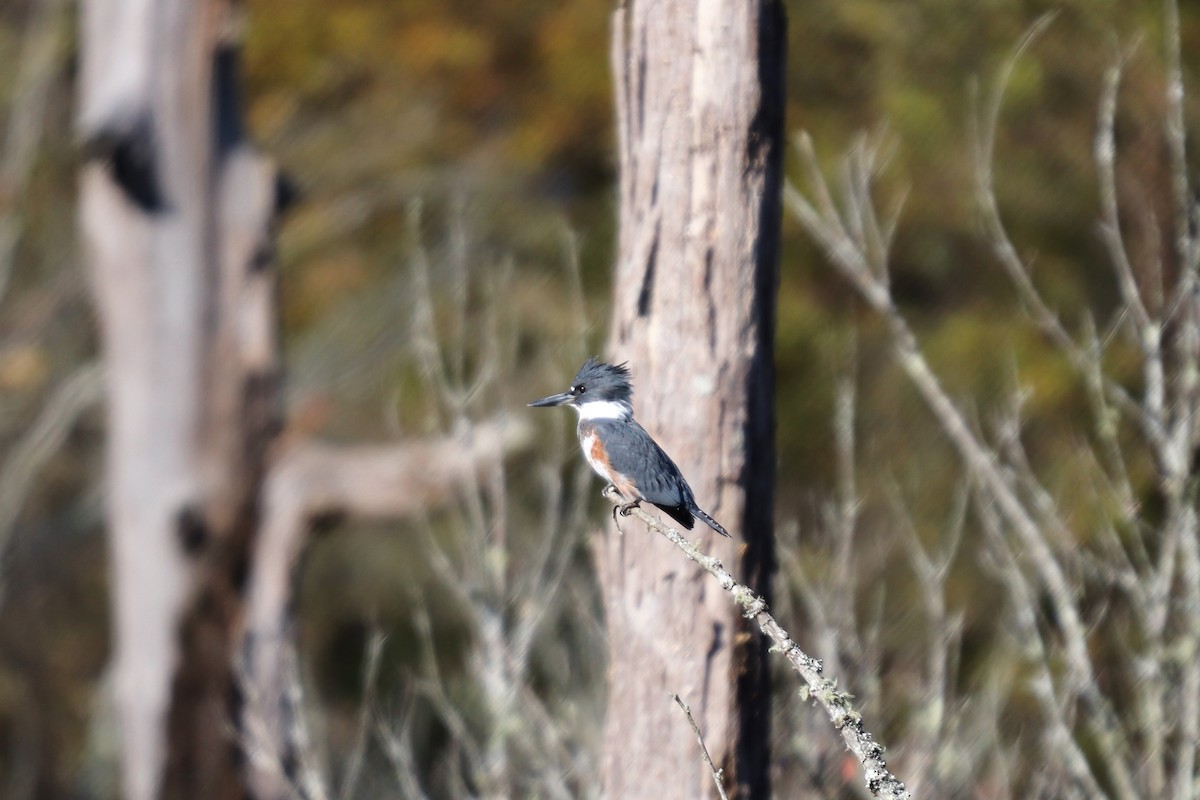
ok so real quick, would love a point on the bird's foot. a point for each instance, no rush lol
(625, 508)
(620, 506)
(617, 522)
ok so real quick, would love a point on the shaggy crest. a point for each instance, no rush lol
(605, 381)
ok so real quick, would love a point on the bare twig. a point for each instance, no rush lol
(41, 55)
(43, 439)
(311, 776)
(1042, 551)
(1029, 521)
(397, 748)
(879, 780)
(400, 480)
(1177, 144)
(717, 775)
(282, 765)
(1085, 362)
(370, 677)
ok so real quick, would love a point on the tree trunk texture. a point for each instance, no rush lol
(700, 116)
(205, 525)
(177, 214)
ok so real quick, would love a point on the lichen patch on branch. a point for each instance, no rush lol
(879, 780)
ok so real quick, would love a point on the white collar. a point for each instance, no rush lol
(604, 409)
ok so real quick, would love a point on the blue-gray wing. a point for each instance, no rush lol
(635, 455)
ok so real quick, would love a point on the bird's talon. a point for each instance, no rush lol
(616, 522)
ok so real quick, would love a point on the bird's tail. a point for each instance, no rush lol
(710, 522)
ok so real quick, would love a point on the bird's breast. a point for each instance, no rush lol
(597, 456)
(593, 451)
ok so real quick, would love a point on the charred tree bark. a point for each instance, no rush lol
(700, 114)
(177, 214)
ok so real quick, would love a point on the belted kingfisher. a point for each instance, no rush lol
(620, 450)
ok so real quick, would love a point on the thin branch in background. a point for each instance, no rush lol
(941, 652)
(45, 47)
(1105, 155)
(257, 741)
(850, 258)
(1027, 522)
(879, 780)
(1182, 488)
(425, 344)
(504, 735)
(1085, 362)
(354, 761)
(574, 274)
(311, 774)
(717, 775)
(952, 739)
(433, 687)
(44, 438)
(1184, 779)
(400, 481)
(270, 754)
(1045, 563)
(827, 636)
(1023, 611)
(461, 363)
(454, 264)
(848, 503)
(397, 748)
(1177, 146)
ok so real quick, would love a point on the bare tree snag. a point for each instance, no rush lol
(205, 519)
(700, 117)
(177, 215)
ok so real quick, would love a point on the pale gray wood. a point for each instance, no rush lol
(176, 222)
(700, 110)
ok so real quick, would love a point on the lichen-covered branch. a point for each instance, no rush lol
(824, 691)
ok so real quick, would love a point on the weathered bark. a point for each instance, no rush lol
(177, 213)
(204, 526)
(177, 216)
(700, 116)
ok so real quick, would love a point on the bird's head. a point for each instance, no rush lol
(599, 391)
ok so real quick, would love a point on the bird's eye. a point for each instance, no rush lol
(580, 389)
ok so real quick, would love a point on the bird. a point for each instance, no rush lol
(620, 450)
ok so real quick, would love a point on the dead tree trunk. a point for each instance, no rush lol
(700, 114)
(205, 527)
(177, 214)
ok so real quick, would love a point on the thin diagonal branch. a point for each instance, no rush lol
(43, 51)
(879, 780)
(851, 258)
(43, 439)
(1177, 142)
(717, 775)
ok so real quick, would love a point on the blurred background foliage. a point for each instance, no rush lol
(495, 119)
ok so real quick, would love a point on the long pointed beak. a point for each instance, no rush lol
(552, 400)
